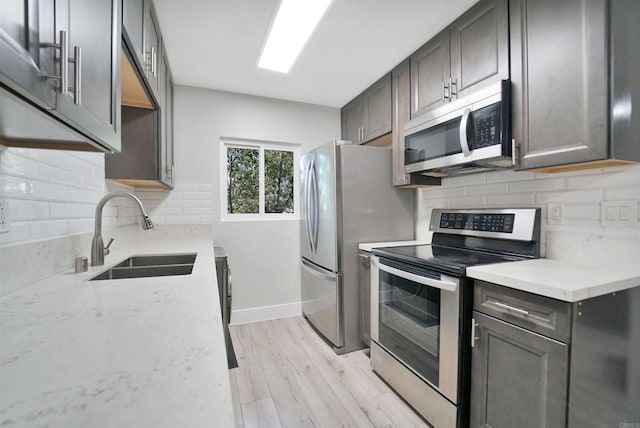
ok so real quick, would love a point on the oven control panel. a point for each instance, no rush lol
(489, 222)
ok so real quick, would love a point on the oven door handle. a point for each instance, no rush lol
(450, 284)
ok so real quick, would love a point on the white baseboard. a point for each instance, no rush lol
(263, 313)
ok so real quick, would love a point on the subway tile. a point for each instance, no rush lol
(153, 194)
(199, 211)
(94, 183)
(206, 187)
(183, 203)
(538, 185)
(196, 195)
(574, 196)
(61, 210)
(206, 203)
(464, 180)
(77, 225)
(468, 202)
(58, 175)
(19, 231)
(23, 209)
(182, 219)
(511, 200)
(582, 212)
(164, 211)
(508, 176)
(187, 187)
(48, 228)
(83, 168)
(449, 192)
(12, 164)
(622, 193)
(487, 189)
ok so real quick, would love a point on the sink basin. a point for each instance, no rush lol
(146, 266)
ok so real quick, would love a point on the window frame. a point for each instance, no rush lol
(261, 146)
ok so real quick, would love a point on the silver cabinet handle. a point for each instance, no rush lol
(64, 62)
(452, 93)
(513, 151)
(473, 332)
(154, 65)
(464, 142)
(77, 81)
(508, 307)
(445, 96)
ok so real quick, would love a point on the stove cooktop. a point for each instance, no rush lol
(447, 259)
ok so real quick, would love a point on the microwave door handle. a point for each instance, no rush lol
(441, 284)
(464, 140)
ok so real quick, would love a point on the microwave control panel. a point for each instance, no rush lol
(478, 222)
(486, 126)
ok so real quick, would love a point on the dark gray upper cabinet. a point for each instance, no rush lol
(151, 48)
(352, 120)
(430, 72)
(76, 44)
(562, 113)
(166, 138)
(400, 111)
(479, 47)
(368, 116)
(133, 12)
(469, 54)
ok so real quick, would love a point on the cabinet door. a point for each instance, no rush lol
(479, 47)
(93, 104)
(519, 378)
(133, 26)
(401, 103)
(430, 69)
(151, 46)
(377, 109)
(353, 120)
(166, 131)
(559, 81)
(24, 27)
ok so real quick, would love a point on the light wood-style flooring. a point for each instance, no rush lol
(289, 377)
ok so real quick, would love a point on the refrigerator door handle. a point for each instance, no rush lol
(314, 271)
(307, 204)
(316, 206)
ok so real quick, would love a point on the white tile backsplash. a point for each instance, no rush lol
(187, 203)
(580, 238)
(55, 192)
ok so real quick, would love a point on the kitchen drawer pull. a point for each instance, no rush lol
(520, 311)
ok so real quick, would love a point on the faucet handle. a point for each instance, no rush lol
(106, 249)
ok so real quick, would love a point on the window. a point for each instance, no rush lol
(260, 180)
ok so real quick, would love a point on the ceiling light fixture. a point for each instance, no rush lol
(292, 27)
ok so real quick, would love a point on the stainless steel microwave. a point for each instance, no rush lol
(470, 134)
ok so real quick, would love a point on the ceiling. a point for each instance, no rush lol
(215, 44)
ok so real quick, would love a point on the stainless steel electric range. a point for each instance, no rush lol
(421, 305)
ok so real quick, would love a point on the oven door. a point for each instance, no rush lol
(415, 316)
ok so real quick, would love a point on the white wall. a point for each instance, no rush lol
(581, 238)
(54, 193)
(264, 255)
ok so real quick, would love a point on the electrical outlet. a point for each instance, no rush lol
(555, 213)
(4, 216)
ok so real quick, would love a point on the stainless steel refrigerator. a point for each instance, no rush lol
(346, 198)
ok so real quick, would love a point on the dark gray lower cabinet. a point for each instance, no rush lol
(519, 378)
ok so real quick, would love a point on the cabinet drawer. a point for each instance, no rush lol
(540, 314)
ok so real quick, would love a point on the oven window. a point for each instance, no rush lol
(409, 324)
(432, 143)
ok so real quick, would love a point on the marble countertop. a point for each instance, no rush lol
(368, 246)
(145, 352)
(561, 280)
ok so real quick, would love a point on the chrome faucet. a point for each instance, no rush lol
(98, 250)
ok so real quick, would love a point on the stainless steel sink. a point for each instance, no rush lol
(144, 266)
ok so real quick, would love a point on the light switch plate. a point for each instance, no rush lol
(619, 213)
